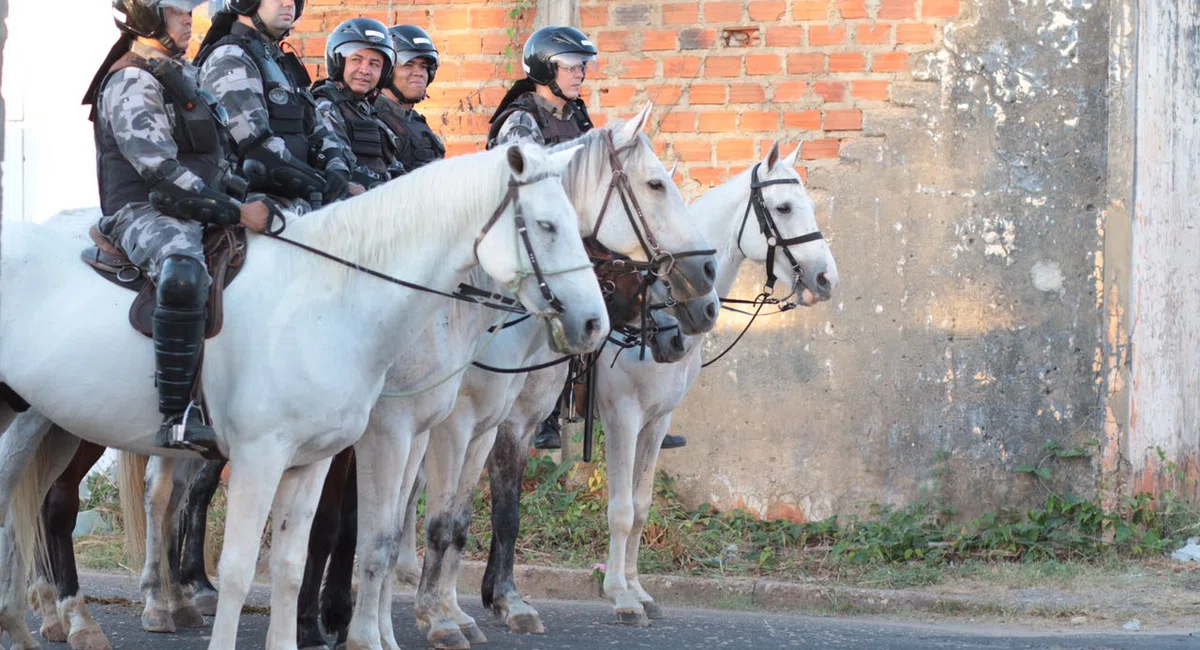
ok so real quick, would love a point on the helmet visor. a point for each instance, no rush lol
(181, 5)
(576, 62)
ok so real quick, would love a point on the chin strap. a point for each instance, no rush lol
(262, 27)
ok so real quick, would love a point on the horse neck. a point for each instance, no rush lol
(718, 215)
(411, 242)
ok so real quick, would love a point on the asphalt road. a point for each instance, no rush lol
(590, 626)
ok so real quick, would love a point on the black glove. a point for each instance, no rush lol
(337, 185)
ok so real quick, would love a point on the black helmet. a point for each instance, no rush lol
(411, 42)
(249, 7)
(366, 32)
(145, 18)
(549, 42)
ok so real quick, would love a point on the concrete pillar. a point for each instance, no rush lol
(557, 12)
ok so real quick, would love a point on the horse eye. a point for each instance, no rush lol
(547, 226)
(656, 185)
(784, 208)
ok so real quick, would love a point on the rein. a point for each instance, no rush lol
(464, 292)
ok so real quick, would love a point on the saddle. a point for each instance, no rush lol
(224, 252)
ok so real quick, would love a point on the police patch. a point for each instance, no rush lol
(278, 96)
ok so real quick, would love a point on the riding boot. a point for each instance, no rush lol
(178, 328)
(549, 434)
(671, 441)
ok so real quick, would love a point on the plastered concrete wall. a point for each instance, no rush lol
(967, 223)
(1165, 304)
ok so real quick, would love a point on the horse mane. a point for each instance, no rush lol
(423, 207)
(591, 163)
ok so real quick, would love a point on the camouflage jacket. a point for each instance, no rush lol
(232, 76)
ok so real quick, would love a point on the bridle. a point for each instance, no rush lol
(775, 240)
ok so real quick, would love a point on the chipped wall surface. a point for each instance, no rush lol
(1165, 390)
(967, 226)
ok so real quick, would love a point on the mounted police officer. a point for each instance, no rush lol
(359, 58)
(285, 147)
(545, 107)
(416, 66)
(164, 174)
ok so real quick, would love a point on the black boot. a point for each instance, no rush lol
(549, 435)
(673, 442)
(178, 326)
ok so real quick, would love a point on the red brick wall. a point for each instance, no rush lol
(727, 78)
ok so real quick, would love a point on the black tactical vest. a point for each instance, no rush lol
(199, 134)
(369, 141)
(416, 143)
(291, 109)
(554, 130)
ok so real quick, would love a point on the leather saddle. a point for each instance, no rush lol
(224, 252)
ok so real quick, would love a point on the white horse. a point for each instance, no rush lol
(292, 377)
(635, 397)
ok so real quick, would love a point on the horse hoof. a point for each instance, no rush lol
(525, 624)
(633, 618)
(53, 632)
(188, 616)
(450, 638)
(158, 620)
(653, 611)
(206, 602)
(473, 633)
(89, 639)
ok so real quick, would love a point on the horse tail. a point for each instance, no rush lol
(29, 530)
(131, 483)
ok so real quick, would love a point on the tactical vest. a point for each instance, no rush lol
(369, 141)
(554, 130)
(291, 109)
(416, 143)
(199, 135)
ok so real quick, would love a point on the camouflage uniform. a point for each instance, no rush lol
(232, 75)
(133, 109)
(561, 124)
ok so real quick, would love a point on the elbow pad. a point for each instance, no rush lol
(270, 173)
(204, 205)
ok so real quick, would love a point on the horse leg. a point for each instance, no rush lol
(443, 468)
(460, 509)
(321, 540)
(59, 511)
(254, 478)
(33, 452)
(337, 601)
(648, 445)
(620, 439)
(505, 468)
(408, 565)
(405, 546)
(183, 611)
(295, 507)
(381, 454)
(156, 613)
(193, 572)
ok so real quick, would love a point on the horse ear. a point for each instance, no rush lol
(772, 157)
(559, 160)
(634, 126)
(671, 174)
(516, 160)
(790, 161)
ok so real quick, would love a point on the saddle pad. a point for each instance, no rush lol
(224, 252)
